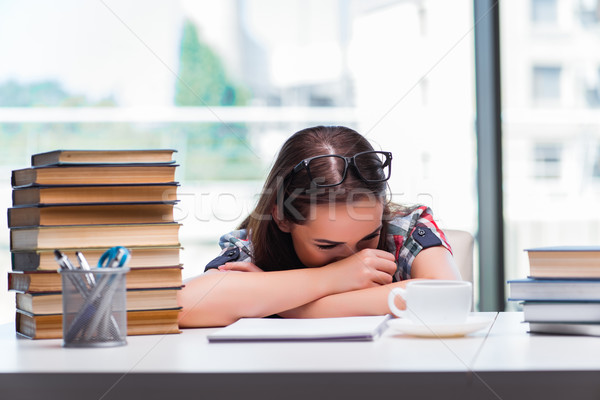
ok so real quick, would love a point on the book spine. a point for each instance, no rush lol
(25, 261)
(18, 282)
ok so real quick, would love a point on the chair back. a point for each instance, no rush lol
(462, 243)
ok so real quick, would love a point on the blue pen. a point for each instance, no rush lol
(114, 257)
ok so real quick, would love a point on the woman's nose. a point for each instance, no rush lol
(348, 250)
(344, 251)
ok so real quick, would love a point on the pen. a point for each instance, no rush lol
(113, 258)
(64, 263)
(82, 261)
(87, 312)
(80, 286)
(63, 260)
(96, 300)
(85, 266)
(115, 262)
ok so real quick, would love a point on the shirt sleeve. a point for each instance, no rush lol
(411, 232)
(235, 247)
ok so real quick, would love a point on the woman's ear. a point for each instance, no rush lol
(283, 224)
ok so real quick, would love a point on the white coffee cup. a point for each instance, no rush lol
(433, 302)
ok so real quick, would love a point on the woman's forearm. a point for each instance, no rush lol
(371, 301)
(432, 263)
(220, 298)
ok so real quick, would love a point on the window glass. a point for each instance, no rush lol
(547, 161)
(592, 87)
(543, 11)
(546, 84)
(589, 13)
(596, 164)
(225, 83)
(550, 128)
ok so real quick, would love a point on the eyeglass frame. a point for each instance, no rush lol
(348, 161)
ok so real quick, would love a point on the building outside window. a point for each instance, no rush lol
(589, 12)
(592, 88)
(546, 84)
(596, 164)
(547, 160)
(550, 126)
(544, 12)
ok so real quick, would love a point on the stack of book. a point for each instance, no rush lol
(562, 293)
(90, 201)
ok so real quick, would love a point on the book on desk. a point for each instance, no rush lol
(137, 278)
(564, 262)
(562, 293)
(562, 311)
(90, 236)
(554, 289)
(91, 200)
(152, 311)
(139, 322)
(141, 256)
(364, 328)
(93, 174)
(93, 194)
(42, 303)
(67, 157)
(83, 213)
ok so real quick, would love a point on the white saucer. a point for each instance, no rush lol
(444, 330)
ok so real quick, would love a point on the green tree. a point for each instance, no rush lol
(213, 151)
(202, 78)
(44, 94)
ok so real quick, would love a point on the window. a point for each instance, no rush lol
(546, 84)
(596, 164)
(589, 13)
(547, 161)
(592, 88)
(225, 83)
(543, 12)
(550, 129)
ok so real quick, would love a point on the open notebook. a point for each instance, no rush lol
(318, 329)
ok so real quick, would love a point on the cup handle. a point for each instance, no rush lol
(391, 301)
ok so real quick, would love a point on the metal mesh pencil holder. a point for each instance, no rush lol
(94, 307)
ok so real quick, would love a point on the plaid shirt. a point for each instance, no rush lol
(400, 239)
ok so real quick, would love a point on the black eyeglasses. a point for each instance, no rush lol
(331, 169)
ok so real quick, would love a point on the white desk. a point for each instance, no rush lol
(503, 362)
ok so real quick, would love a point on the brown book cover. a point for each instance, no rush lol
(89, 214)
(57, 157)
(564, 262)
(142, 322)
(94, 174)
(137, 299)
(86, 236)
(136, 278)
(44, 260)
(83, 194)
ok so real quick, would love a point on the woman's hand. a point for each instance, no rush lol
(365, 269)
(242, 266)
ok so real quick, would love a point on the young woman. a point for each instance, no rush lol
(323, 241)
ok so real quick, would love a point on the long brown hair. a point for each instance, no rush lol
(272, 248)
